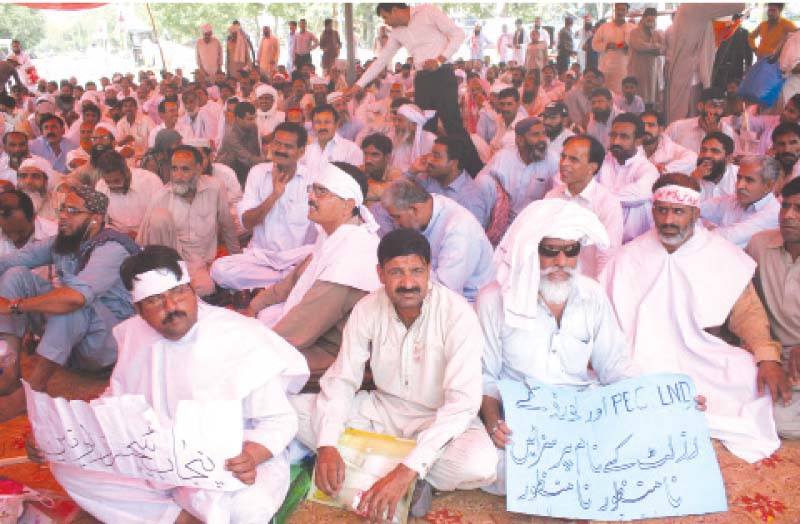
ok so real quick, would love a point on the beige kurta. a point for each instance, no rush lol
(644, 47)
(268, 53)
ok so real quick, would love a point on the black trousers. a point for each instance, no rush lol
(301, 60)
(438, 90)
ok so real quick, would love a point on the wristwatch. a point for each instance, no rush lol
(14, 306)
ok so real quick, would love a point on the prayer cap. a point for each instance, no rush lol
(555, 109)
(108, 127)
(266, 89)
(96, 202)
(525, 125)
(77, 154)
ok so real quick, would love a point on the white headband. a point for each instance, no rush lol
(680, 195)
(345, 186)
(157, 281)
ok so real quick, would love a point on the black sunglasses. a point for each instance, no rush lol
(570, 251)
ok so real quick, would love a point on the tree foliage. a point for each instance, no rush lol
(181, 22)
(22, 23)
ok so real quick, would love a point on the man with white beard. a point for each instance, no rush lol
(267, 114)
(552, 336)
(37, 179)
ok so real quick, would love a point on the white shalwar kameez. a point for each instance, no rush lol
(257, 367)
(428, 388)
(665, 302)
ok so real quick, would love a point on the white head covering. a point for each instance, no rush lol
(517, 255)
(91, 96)
(336, 95)
(318, 81)
(266, 89)
(108, 126)
(39, 163)
(343, 185)
(77, 154)
(157, 281)
(498, 86)
(205, 28)
(419, 118)
(674, 194)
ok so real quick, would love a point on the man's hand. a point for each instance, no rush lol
(279, 181)
(329, 474)
(771, 376)
(794, 364)
(243, 466)
(383, 496)
(430, 64)
(34, 453)
(420, 165)
(703, 170)
(499, 433)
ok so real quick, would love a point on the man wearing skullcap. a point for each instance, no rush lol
(542, 319)
(310, 306)
(675, 290)
(75, 318)
(178, 336)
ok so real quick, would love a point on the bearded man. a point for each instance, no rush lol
(75, 318)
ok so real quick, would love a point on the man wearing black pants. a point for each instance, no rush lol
(431, 38)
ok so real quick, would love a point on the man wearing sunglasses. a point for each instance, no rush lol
(74, 318)
(541, 318)
(677, 290)
(310, 306)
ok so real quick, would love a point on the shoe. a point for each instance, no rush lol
(421, 499)
(220, 297)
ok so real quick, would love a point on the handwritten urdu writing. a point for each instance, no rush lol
(635, 449)
(125, 436)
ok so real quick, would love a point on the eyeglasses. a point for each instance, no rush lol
(319, 191)
(176, 294)
(100, 138)
(71, 211)
(570, 251)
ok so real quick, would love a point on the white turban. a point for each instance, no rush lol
(517, 255)
(108, 126)
(205, 28)
(318, 81)
(419, 118)
(91, 96)
(336, 95)
(77, 154)
(43, 165)
(345, 186)
(266, 89)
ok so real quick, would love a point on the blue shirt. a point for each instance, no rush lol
(463, 190)
(461, 255)
(41, 147)
(98, 280)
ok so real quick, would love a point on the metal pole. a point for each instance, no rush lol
(351, 49)
(155, 35)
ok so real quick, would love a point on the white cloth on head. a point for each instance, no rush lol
(517, 255)
(205, 28)
(43, 165)
(419, 118)
(336, 95)
(108, 126)
(266, 89)
(157, 281)
(345, 186)
(665, 302)
(318, 81)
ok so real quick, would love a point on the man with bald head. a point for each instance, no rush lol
(676, 291)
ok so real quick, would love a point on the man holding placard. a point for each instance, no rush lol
(173, 351)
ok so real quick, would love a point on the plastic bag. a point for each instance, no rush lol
(762, 83)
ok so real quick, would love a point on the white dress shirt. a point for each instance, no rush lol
(427, 376)
(557, 146)
(429, 34)
(689, 134)
(181, 127)
(42, 228)
(674, 157)
(126, 211)
(632, 183)
(725, 186)
(737, 223)
(338, 149)
(286, 226)
(523, 183)
(596, 198)
(554, 353)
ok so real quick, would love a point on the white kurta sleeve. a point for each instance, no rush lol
(463, 346)
(270, 419)
(489, 305)
(610, 353)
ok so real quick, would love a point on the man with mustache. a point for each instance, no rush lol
(666, 155)
(52, 146)
(188, 214)
(275, 208)
(37, 179)
(409, 138)
(129, 191)
(554, 118)
(178, 335)
(752, 209)
(690, 132)
(440, 173)
(776, 252)
(526, 171)
(102, 139)
(786, 147)
(580, 161)
(628, 174)
(75, 318)
(509, 112)
(714, 169)
(329, 145)
(15, 150)
(681, 285)
(603, 114)
(309, 307)
(461, 252)
(19, 223)
(424, 344)
(579, 99)
(541, 318)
